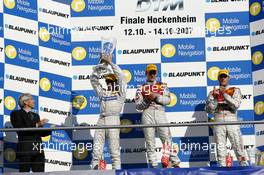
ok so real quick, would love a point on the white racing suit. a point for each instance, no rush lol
(111, 104)
(225, 112)
(154, 113)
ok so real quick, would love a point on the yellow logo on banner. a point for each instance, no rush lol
(45, 84)
(10, 155)
(168, 50)
(10, 103)
(10, 4)
(261, 162)
(255, 9)
(46, 139)
(79, 102)
(175, 148)
(80, 153)
(127, 75)
(173, 101)
(126, 122)
(213, 24)
(44, 34)
(213, 73)
(10, 52)
(79, 53)
(211, 120)
(78, 5)
(257, 57)
(259, 108)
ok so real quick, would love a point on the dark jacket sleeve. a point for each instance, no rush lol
(41, 133)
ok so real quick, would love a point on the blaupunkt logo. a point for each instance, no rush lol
(20, 29)
(21, 79)
(55, 111)
(55, 61)
(54, 13)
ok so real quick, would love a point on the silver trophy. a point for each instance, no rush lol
(108, 46)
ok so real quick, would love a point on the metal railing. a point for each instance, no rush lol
(132, 126)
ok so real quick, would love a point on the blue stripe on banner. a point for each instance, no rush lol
(257, 53)
(195, 171)
(63, 1)
(2, 67)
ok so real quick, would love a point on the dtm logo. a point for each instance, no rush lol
(159, 5)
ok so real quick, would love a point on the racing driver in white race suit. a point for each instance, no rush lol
(151, 98)
(223, 104)
(111, 103)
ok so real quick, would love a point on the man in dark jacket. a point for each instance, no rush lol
(28, 147)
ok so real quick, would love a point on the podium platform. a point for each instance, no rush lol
(251, 170)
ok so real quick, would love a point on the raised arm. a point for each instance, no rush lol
(121, 79)
(97, 86)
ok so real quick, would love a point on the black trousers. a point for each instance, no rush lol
(34, 162)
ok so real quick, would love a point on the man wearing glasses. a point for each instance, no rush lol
(223, 103)
(151, 99)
